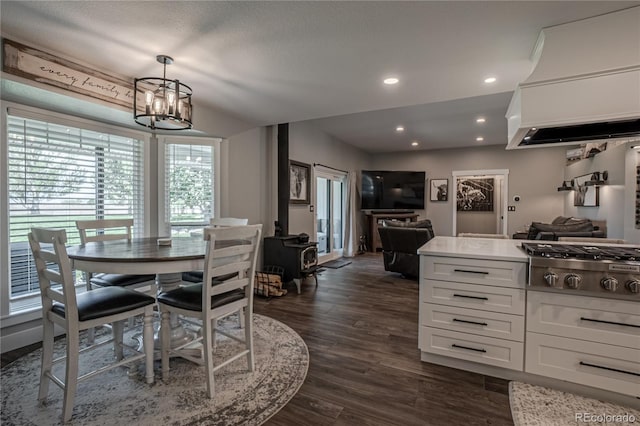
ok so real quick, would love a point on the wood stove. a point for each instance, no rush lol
(298, 259)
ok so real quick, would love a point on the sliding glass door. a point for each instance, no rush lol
(330, 205)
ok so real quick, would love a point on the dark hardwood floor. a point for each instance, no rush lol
(361, 327)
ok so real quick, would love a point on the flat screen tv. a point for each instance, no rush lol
(392, 190)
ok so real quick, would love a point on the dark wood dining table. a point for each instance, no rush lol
(145, 256)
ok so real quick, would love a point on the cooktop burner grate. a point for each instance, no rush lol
(586, 251)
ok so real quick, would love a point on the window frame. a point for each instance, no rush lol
(164, 228)
(28, 307)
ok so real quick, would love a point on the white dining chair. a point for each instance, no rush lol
(216, 222)
(228, 221)
(232, 250)
(84, 311)
(112, 230)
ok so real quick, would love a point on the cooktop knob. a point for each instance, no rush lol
(551, 278)
(573, 281)
(633, 286)
(609, 284)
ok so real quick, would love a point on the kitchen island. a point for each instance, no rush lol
(475, 315)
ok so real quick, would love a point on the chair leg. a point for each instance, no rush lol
(241, 317)
(47, 357)
(207, 349)
(248, 335)
(165, 342)
(214, 328)
(91, 332)
(71, 375)
(147, 338)
(118, 331)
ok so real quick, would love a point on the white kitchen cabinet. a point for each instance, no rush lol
(587, 340)
(473, 308)
(475, 314)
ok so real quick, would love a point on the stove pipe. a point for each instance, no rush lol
(282, 224)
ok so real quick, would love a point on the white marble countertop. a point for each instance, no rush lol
(475, 248)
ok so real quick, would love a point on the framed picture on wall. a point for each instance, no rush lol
(299, 182)
(475, 195)
(439, 190)
(585, 195)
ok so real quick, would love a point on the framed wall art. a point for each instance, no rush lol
(475, 195)
(299, 182)
(585, 195)
(439, 190)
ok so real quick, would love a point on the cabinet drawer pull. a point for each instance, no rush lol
(609, 322)
(617, 370)
(468, 348)
(468, 271)
(470, 297)
(470, 322)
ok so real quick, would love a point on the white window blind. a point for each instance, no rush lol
(59, 174)
(189, 183)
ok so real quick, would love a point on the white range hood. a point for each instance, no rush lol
(585, 85)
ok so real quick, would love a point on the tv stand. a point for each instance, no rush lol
(383, 212)
(374, 221)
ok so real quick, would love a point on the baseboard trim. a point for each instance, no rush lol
(19, 339)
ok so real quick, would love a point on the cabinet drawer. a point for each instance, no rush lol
(599, 365)
(485, 350)
(487, 298)
(473, 321)
(615, 322)
(475, 271)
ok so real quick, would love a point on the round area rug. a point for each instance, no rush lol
(121, 396)
(539, 406)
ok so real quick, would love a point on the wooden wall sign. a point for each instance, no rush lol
(36, 65)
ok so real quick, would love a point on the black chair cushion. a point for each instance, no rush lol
(106, 301)
(119, 280)
(190, 297)
(197, 277)
(192, 276)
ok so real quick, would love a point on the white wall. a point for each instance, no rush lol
(534, 175)
(309, 145)
(612, 195)
(244, 188)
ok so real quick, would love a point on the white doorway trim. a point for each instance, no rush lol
(490, 172)
(332, 176)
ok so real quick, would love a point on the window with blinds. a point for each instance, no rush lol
(59, 174)
(189, 182)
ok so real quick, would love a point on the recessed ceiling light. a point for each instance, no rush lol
(399, 129)
(414, 143)
(490, 80)
(391, 80)
(479, 138)
(480, 120)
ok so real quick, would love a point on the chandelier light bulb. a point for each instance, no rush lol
(171, 101)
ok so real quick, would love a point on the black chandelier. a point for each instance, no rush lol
(160, 103)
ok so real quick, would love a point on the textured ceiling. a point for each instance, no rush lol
(274, 62)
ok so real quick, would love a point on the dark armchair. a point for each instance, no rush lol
(400, 243)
